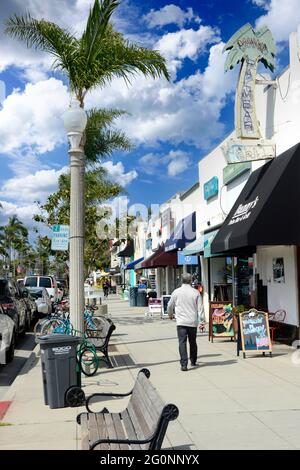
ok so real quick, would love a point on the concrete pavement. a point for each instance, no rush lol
(226, 403)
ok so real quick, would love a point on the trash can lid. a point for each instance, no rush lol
(58, 338)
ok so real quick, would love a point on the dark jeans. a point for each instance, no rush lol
(184, 333)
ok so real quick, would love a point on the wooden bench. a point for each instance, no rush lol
(100, 337)
(142, 425)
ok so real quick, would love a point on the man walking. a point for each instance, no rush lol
(188, 306)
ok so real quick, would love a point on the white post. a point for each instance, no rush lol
(76, 239)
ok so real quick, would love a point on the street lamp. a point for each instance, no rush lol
(75, 120)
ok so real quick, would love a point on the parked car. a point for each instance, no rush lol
(48, 282)
(7, 338)
(13, 304)
(30, 303)
(42, 299)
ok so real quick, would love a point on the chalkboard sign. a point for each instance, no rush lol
(221, 321)
(254, 332)
(164, 305)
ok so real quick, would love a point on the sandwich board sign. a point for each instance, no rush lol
(60, 237)
(254, 333)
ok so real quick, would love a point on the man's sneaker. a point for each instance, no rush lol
(184, 368)
(194, 364)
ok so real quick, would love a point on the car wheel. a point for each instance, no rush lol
(11, 351)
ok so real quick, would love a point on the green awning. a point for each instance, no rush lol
(208, 239)
(195, 247)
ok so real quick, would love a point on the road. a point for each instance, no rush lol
(9, 372)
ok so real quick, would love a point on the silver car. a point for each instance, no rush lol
(42, 299)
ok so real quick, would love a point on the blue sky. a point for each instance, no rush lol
(171, 124)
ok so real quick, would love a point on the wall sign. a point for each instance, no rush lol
(211, 188)
(254, 332)
(186, 260)
(249, 47)
(231, 172)
(220, 320)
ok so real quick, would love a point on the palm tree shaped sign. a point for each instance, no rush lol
(249, 47)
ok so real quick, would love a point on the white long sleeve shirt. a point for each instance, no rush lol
(187, 304)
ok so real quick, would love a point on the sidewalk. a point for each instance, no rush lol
(227, 403)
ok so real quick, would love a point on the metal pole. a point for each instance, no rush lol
(77, 238)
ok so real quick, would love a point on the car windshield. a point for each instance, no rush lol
(45, 282)
(31, 281)
(36, 293)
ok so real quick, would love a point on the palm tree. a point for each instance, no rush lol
(15, 238)
(249, 47)
(99, 55)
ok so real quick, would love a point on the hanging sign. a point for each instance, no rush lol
(249, 47)
(186, 260)
(237, 151)
(254, 332)
(60, 237)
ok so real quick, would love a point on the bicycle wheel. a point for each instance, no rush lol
(54, 325)
(88, 361)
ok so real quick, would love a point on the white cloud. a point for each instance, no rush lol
(33, 117)
(261, 3)
(187, 43)
(23, 211)
(117, 173)
(176, 162)
(30, 188)
(184, 111)
(170, 14)
(282, 18)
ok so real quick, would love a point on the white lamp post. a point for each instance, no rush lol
(75, 120)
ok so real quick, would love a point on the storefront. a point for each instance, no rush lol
(265, 220)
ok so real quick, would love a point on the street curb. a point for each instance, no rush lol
(22, 375)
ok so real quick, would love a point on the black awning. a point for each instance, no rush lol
(268, 208)
(128, 250)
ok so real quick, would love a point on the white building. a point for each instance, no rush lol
(278, 113)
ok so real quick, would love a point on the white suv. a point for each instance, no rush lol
(49, 282)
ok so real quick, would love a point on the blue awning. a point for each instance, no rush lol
(132, 264)
(184, 233)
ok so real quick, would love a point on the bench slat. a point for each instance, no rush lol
(111, 431)
(119, 430)
(84, 433)
(149, 411)
(136, 413)
(93, 428)
(155, 398)
(102, 430)
(130, 431)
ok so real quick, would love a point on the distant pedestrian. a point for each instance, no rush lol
(105, 289)
(188, 306)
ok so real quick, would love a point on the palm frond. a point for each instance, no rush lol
(97, 23)
(44, 36)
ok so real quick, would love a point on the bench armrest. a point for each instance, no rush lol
(118, 395)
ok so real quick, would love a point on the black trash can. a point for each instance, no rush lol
(142, 300)
(59, 367)
(133, 291)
